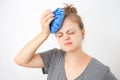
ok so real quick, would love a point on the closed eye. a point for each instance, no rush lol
(71, 32)
(59, 35)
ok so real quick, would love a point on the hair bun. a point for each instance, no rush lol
(69, 9)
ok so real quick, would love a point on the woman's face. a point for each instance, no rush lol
(70, 36)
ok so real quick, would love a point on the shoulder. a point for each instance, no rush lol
(98, 67)
(57, 53)
(52, 53)
(96, 70)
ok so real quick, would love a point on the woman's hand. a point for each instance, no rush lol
(46, 19)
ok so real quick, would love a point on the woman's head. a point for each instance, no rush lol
(71, 34)
(71, 12)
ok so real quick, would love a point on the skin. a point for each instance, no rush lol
(70, 33)
(70, 38)
(27, 57)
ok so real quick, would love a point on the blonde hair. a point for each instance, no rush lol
(71, 12)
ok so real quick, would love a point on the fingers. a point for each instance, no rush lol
(47, 17)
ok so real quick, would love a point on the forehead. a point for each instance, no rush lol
(68, 24)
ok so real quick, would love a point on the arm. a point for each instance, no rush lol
(27, 56)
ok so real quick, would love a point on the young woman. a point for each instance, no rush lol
(70, 62)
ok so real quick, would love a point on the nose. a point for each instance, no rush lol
(66, 37)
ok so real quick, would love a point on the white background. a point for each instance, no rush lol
(20, 22)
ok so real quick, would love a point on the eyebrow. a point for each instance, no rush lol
(69, 30)
(66, 32)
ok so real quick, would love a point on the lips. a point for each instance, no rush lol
(67, 43)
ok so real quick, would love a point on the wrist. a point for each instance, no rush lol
(44, 34)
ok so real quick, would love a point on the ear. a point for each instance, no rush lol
(83, 33)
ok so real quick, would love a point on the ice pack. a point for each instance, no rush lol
(56, 24)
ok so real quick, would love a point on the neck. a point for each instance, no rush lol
(76, 56)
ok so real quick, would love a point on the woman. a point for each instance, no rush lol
(70, 62)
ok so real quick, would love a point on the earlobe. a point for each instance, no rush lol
(83, 33)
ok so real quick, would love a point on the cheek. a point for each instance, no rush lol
(60, 41)
(77, 39)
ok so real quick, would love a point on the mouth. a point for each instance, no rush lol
(67, 43)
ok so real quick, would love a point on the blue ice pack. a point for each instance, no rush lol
(56, 24)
